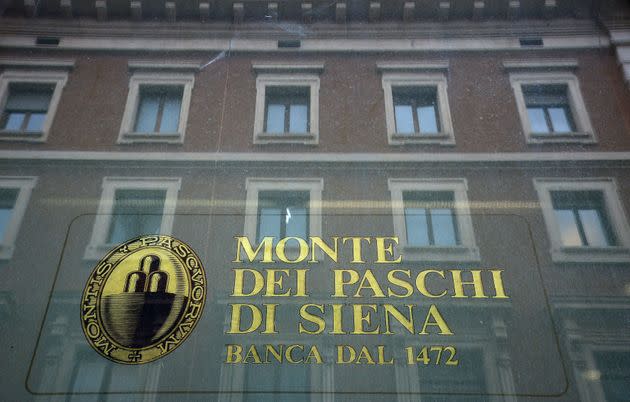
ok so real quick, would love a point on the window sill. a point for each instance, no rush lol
(615, 254)
(563, 138)
(29, 136)
(133, 137)
(441, 253)
(286, 138)
(417, 138)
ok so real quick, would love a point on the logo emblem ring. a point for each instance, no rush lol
(143, 299)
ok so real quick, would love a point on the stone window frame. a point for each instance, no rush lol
(431, 74)
(584, 133)
(614, 209)
(127, 135)
(254, 185)
(24, 185)
(466, 251)
(287, 75)
(98, 244)
(51, 77)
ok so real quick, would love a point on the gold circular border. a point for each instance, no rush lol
(102, 342)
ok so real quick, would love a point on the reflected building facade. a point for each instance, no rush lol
(481, 134)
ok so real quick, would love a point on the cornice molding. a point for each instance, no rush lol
(37, 63)
(315, 157)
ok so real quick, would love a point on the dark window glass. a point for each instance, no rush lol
(26, 107)
(287, 110)
(548, 108)
(430, 218)
(8, 196)
(614, 369)
(136, 212)
(159, 109)
(416, 110)
(582, 218)
(283, 214)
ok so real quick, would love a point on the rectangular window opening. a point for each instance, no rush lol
(135, 213)
(159, 109)
(283, 214)
(26, 107)
(430, 218)
(416, 110)
(549, 109)
(287, 110)
(582, 219)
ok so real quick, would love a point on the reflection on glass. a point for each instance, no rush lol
(275, 118)
(298, 119)
(26, 107)
(158, 109)
(428, 119)
(282, 214)
(8, 196)
(89, 376)
(614, 369)
(136, 212)
(582, 219)
(548, 108)
(287, 110)
(471, 378)
(429, 220)
(415, 110)
(404, 119)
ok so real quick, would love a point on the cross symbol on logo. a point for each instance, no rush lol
(135, 356)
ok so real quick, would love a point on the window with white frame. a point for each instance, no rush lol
(585, 220)
(287, 103)
(432, 219)
(131, 207)
(29, 100)
(157, 107)
(283, 208)
(550, 105)
(416, 103)
(15, 193)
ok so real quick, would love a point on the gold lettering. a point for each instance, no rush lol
(383, 250)
(266, 245)
(321, 324)
(476, 282)
(438, 321)
(239, 282)
(422, 285)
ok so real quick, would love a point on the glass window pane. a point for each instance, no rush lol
(427, 118)
(14, 121)
(417, 229)
(147, 113)
(170, 113)
(404, 119)
(443, 222)
(296, 220)
(537, 120)
(275, 118)
(135, 213)
(614, 368)
(8, 196)
(89, 377)
(569, 233)
(269, 222)
(298, 119)
(29, 97)
(36, 122)
(559, 120)
(593, 228)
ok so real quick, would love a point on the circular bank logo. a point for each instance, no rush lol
(143, 299)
